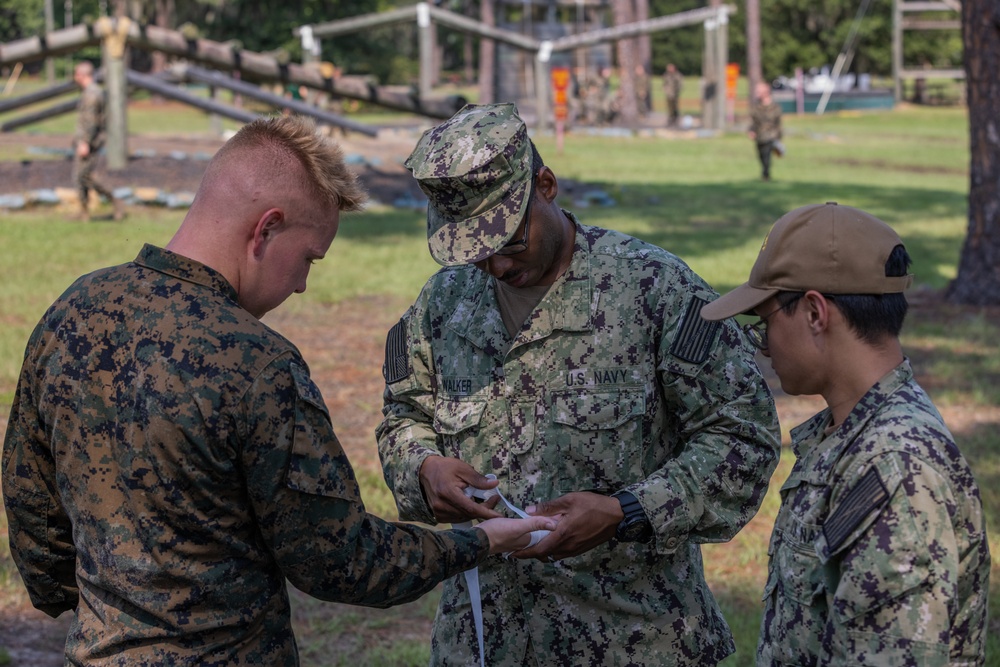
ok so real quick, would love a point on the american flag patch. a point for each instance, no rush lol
(397, 354)
(696, 336)
(867, 496)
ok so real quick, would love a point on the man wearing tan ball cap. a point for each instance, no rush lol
(879, 551)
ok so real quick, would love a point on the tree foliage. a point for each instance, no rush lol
(794, 33)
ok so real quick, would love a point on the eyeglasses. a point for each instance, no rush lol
(521, 244)
(756, 333)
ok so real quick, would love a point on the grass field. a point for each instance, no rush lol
(699, 198)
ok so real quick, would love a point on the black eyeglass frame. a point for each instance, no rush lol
(520, 245)
(756, 332)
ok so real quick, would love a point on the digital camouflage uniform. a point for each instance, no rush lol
(879, 553)
(89, 129)
(765, 123)
(614, 382)
(169, 464)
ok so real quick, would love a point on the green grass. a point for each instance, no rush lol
(699, 198)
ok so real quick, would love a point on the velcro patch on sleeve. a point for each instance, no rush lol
(397, 354)
(868, 495)
(696, 335)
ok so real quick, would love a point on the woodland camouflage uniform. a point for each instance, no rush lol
(612, 383)
(879, 552)
(90, 126)
(169, 464)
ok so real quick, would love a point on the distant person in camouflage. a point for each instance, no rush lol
(672, 83)
(765, 128)
(879, 554)
(88, 140)
(169, 463)
(569, 361)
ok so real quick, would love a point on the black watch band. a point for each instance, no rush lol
(635, 527)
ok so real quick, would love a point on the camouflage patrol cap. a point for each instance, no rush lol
(824, 247)
(475, 169)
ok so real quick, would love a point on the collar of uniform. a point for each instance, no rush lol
(182, 268)
(477, 316)
(806, 437)
(573, 291)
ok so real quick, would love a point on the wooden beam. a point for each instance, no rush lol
(932, 74)
(931, 24)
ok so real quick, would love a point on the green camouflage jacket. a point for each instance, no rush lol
(169, 464)
(614, 382)
(90, 117)
(765, 121)
(879, 553)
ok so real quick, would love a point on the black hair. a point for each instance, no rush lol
(536, 160)
(871, 316)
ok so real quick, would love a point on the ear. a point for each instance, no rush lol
(546, 184)
(817, 311)
(264, 230)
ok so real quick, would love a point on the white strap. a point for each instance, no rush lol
(472, 576)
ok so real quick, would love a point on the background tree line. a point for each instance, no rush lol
(794, 33)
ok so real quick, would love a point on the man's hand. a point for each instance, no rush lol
(508, 535)
(585, 521)
(444, 479)
(82, 148)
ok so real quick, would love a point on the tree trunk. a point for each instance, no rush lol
(978, 280)
(753, 45)
(622, 10)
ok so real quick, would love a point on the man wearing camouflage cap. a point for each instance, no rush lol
(570, 362)
(169, 464)
(879, 552)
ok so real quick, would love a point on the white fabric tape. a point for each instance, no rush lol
(472, 576)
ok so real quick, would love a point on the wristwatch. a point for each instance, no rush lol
(635, 527)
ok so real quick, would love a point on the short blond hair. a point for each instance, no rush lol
(294, 137)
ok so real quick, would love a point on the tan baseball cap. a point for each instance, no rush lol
(829, 248)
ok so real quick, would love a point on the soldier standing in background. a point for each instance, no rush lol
(672, 83)
(642, 91)
(88, 141)
(571, 362)
(879, 553)
(765, 128)
(169, 463)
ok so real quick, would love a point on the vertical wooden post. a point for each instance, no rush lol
(116, 90)
(710, 86)
(721, 60)
(897, 50)
(424, 27)
(487, 54)
(543, 84)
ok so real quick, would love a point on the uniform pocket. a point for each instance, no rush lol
(597, 438)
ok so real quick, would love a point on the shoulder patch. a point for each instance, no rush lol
(696, 336)
(397, 354)
(868, 495)
(306, 388)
